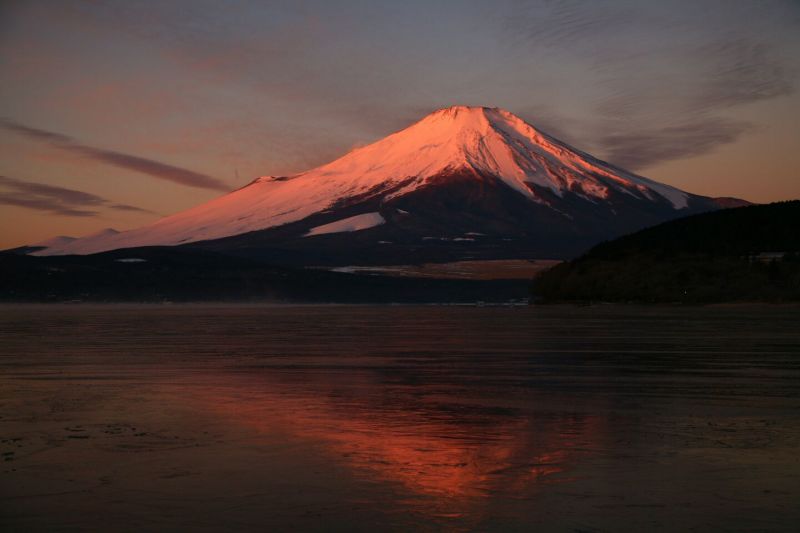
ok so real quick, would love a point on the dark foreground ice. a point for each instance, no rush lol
(335, 418)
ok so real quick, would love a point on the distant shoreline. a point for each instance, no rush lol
(517, 305)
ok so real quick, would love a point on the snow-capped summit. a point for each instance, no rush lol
(459, 169)
(489, 141)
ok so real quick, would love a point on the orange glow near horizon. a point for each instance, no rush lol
(278, 88)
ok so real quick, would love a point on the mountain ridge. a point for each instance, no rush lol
(454, 149)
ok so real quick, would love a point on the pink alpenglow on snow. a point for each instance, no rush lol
(486, 141)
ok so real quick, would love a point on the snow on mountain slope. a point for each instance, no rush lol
(356, 223)
(92, 241)
(487, 141)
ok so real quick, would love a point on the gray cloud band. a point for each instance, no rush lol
(58, 200)
(135, 163)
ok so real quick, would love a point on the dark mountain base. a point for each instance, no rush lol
(684, 279)
(158, 274)
(744, 254)
(458, 216)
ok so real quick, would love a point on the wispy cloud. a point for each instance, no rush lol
(43, 204)
(135, 163)
(126, 207)
(643, 148)
(692, 122)
(58, 200)
(742, 71)
(665, 83)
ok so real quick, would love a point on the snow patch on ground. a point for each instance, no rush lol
(356, 223)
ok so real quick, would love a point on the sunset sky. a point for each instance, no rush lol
(114, 113)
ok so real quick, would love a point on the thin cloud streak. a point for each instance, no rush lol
(745, 72)
(641, 149)
(135, 163)
(58, 200)
(133, 208)
(43, 204)
(665, 84)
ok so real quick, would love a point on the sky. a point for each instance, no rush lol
(115, 113)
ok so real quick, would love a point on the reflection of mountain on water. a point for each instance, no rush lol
(430, 439)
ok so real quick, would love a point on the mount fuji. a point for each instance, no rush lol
(462, 183)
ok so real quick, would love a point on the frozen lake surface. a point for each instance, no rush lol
(380, 418)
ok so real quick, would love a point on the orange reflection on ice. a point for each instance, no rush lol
(428, 444)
